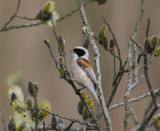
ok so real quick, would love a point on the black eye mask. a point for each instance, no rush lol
(79, 52)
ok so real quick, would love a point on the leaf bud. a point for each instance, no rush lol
(36, 86)
(154, 39)
(31, 89)
(40, 14)
(86, 41)
(61, 63)
(102, 31)
(84, 94)
(61, 43)
(80, 107)
(105, 42)
(85, 114)
(46, 41)
(11, 125)
(29, 103)
(112, 44)
(84, 30)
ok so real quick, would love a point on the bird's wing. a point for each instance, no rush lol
(87, 67)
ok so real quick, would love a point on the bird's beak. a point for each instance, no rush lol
(71, 51)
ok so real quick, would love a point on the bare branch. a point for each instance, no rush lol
(157, 91)
(118, 49)
(147, 31)
(115, 84)
(21, 26)
(121, 71)
(137, 82)
(46, 41)
(128, 90)
(131, 100)
(137, 44)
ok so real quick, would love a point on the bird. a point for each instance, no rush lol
(82, 71)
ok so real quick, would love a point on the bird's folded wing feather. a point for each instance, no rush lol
(87, 67)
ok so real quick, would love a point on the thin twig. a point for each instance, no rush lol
(134, 116)
(52, 55)
(26, 18)
(36, 114)
(68, 14)
(135, 53)
(73, 11)
(120, 73)
(70, 125)
(44, 126)
(139, 57)
(13, 16)
(137, 82)
(137, 44)
(114, 55)
(145, 118)
(148, 25)
(21, 26)
(115, 84)
(114, 62)
(151, 114)
(68, 118)
(116, 43)
(139, 19)
(146, 67)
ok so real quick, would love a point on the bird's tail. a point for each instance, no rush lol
(93, 91)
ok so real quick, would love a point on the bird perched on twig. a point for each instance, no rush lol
(82, 71)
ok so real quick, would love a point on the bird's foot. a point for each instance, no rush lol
(81, 89)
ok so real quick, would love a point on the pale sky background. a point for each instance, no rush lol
(23, 50)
